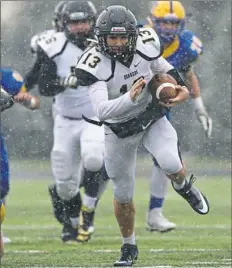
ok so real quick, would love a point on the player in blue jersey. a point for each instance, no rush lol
(181, 48)
(12, 91)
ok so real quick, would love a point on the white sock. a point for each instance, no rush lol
(129, 240)
(179, 186)
(74, 222)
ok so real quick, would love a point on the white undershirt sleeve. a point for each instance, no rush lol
(103, 107)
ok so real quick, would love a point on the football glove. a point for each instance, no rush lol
(69, 81)
(206, 122)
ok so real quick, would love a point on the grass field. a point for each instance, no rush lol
(199, 241)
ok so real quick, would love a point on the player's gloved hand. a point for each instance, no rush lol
(6, 100)
(69, 81)
(202, 115)
(206, 122)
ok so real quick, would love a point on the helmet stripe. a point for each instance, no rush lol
(171, 6)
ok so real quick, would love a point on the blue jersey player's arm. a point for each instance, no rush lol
(13, 83)
(194, 48)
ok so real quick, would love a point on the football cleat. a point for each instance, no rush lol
(68, 234)
(129, 254)
(194, 197)
(157, 222)
(58, 205)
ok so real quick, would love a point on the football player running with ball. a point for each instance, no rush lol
(117, 71)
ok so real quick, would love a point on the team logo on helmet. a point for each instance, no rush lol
(17, 76)
(118, 29)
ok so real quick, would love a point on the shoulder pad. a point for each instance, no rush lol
(38, 37)
(54, 44)
(148, 44)
(191, 44)
(95, 63)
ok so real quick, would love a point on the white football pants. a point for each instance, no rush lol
(160, 140)
(76, 143)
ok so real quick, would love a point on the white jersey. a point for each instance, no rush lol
(110, 96)
(71, 102)
(39, 37)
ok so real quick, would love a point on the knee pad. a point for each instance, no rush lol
(93, 161)
(67, 185)
(169, 162)
(123, 190)
(67, 188)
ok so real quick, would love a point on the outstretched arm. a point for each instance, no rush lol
(193, 83)
(27, 100)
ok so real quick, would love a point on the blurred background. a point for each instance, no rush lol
(29, 134)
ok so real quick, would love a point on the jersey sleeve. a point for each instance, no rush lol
(148, 44)
(95, 64)
(161, 65)
(105, 108)
(33, 43)
(192, 47)
(31, 77)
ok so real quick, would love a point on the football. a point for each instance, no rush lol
(162, 87)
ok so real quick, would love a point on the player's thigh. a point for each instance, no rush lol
(92, 147)
(162, 142)
(120, 161)
(66, 146)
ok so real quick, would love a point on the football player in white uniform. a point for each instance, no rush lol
(116, 71)
(78, 146)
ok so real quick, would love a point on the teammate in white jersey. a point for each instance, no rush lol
(31, 78)
(123, 57)
(78, 146)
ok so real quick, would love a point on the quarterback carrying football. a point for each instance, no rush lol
(117, 71)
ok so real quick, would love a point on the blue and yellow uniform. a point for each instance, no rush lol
(181, 47)
(183, 51)
(12, 82)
